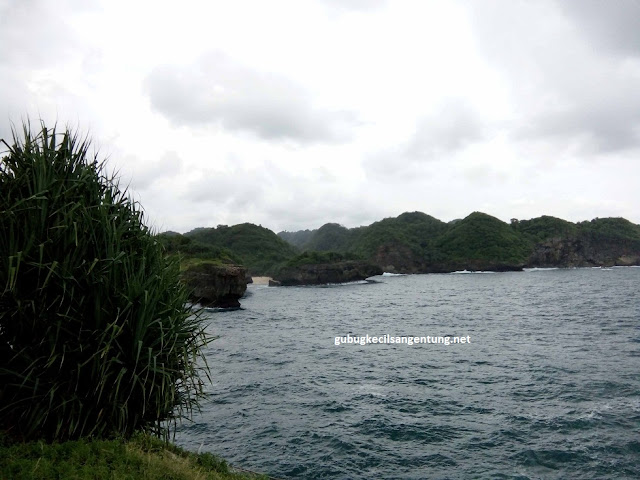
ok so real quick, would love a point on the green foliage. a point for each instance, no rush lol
(612, 230)
(483, 237)
(544, 228)
(95, 335)
(191, 251)
(312, 258)
(140, 458)
(329, 237)
(257, 248)
(415, 241)
(415, 230)
(297, 239)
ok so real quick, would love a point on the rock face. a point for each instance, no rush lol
(397, 259)
(583, 252)
(214, 285)
(318, 274)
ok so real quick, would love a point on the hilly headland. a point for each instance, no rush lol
(412, 242)
(419, 243)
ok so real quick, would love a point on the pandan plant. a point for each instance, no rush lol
(96, 338)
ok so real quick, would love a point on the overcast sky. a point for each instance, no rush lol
(292, 114)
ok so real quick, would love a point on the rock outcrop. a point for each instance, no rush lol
(213, 285)
(398, 259)
(318, 274)
(583, 252)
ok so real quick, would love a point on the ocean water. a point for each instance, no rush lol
(548, 387)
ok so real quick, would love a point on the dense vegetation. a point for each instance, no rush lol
(329, 237)
(95, 337)
(420, 243)
(310, 257)
(481, 237)
(543, 228)
(611, 230)
(416, 231)
(413, 242)
(192, 252)
(297, 239)
(255, 247)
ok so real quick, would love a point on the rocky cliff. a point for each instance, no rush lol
(213, 285)
(318, 274)
(583, 252)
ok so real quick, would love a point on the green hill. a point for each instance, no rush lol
(329, 237)
(297, 239)
(485, 242)
(403, 243)
(415, 242)
(414, 231)
(418, 243)
(257, 248)
(192, 251)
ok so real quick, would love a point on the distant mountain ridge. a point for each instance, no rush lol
(412, 242)
(415, 242)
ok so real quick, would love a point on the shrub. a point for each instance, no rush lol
(95, 335)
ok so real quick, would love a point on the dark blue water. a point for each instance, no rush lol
(549, 386)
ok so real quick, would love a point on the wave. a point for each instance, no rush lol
(389, 274)
(342, 284)
(540, 269)
(464, 272)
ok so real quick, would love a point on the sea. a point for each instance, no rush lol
(545, 386)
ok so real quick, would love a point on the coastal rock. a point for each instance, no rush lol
(583, 252)
(318, 274)
(215, 285)
(482, 266)
(397, 259)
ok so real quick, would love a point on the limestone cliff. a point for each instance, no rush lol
(583, 252)
(215, 285)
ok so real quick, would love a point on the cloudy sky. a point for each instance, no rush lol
(291, 114)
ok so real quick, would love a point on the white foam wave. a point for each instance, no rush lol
(464, 272)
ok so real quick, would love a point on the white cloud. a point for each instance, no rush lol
(293, 113)
(217, 90)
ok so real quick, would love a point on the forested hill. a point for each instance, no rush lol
(256, 247)
(418, 243)
(415, 242)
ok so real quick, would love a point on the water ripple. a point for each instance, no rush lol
(548, 387)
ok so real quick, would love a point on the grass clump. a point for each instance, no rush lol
(140, 458)
(95, 335)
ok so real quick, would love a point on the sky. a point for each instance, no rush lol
(294, 113)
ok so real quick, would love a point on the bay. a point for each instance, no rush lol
(548, 387)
